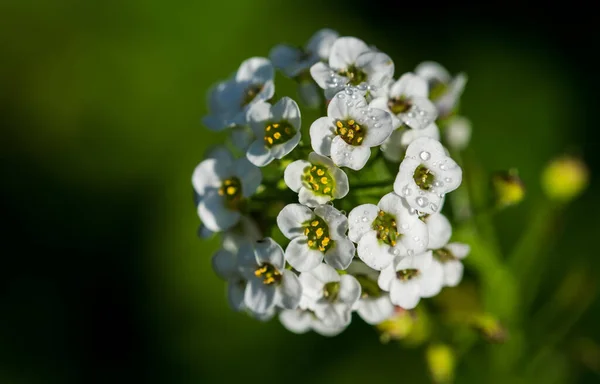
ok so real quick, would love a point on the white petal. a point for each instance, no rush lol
(322, 131)
(415, 236)
(344, 155)
(386, 276)
(345, 51)
(315, 158)
(291, 219)
(258, 154)
(340, 255)
(336, 220)
(374, 311)
(221, 154)
(287, 109)
(312, 289)
(360, 220)
(339, 109)
(268, 251)
(373, 253)
(342, 186)
(422, 113)
(249, 175)
(320, 73)
(290, 290)
(390, 203)
(325, 274)
(308, 198)
(224, 264)
(256, 70)
(439, 229)
(431, 280)
(301, 257)
(378, 67)
(405, 294)
(214, 215)
(320, 43)
(410, 135)
(458, 132)
(281, 150)
(285, 58)
(259, 297)
(453, 272)
(378, 130)
(409, 85)
(235, 294)
(258, 114)
(293, 174)
(297, 321)
(420, 261)
(209, 174)
(350, 290)
(459, 250)
(430, 70)
(329, 331)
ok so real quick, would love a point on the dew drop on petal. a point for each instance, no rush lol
(422, 112)
(376, 125)
(416, 238)
(433, 207)
(421, 201)
(425, 156)
(448, 180)
(438, 184)
(406, 191)
(411, 114)
(405, 226)
(341, 95)
(410, 252)
(443, 167)
(364, 219)
(348, 91)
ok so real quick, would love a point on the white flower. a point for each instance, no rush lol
(410, 278)
(269, 284)
(352, 62)
(276, 128)
(226, 266)
(374, 305)
(439, 228)
(302, 321)
(386, 230)
(426, 174)
(407, 101)
(229, 100)
(317, 180)
(315, 236)
(293, 61)
(244, 232)
(222, 184)
(329, 295)
(449, 258)
(395, 146)
(444, 90)
(350, 129)
(458, 132)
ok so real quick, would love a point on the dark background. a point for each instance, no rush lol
(103, 277)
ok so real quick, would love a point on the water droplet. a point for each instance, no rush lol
(349, 103)
(364, 219)
(341, 95)
(421, 201)
(364, 112)
(443, 167)
(332, 74)
(406, 191)
(395, 252)
(354, 96)
(425, 122)
(438, 184)
(416, 238)
(448, 180)
(410, 252)
(373, 118)
(376, 125)
(369, 110)
(433, 207)
(411, 114)
(405, 226)
(425, 156)
(346, 154)
(348, 91)
(422, 112)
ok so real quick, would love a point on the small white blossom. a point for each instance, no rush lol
(395, 146)
(269, 284)
(458, 132)
(302, 321)
(444, 90)
(292, 61)
(222, 184)
(352, 62)
(449, 258)
(386, 230)
(349, 130)
(315, 236)
(374, 305)
(276, 128)
(411, 278)
(407, 102)
(439, 228)
(426, 174)
(317, 180)
(329, 295)
(228, 101)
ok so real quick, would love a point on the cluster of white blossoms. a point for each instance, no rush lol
(279, 196)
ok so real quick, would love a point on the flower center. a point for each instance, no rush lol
(250, 93)
(437, 89)
(268, 273)
(369, 287)
(355, 75)
(423, 177)
(317, 232)
(331, 291)
(386, 228)
(399, 105)
(350, 132)
(444, 255)
(232, 190)
(278, 133)
(407, 274)
(319, 180)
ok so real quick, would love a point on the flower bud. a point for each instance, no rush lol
(508, 188)
(458, 132)
(441, 362)
(565, 178)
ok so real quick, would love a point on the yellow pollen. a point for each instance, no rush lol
(311, 243)
(351, 122)
(320, 172)
(306, 231)
(315, 187)
(393, 242)
(339, 124)
(381, 227)
(327, 190)
(269, 280)
(343, 131)
(313, 168)
(319, 233)
(325, 241)
(268, 128)
(324, 180)
(277, 135)
(260, 271)
(275, 125)
(315, 223)
(359, 139)
(381, 213)
(270, 140)
(221, 192)
(231, 190)
(357, 128)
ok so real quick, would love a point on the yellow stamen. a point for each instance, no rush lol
(315, 223)
(324, 180)
(320, 172)
(231, 190)
(339, 124)
(277, 135)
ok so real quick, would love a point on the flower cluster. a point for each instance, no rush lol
(342, 214)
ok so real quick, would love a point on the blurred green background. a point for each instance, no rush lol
(104, 279)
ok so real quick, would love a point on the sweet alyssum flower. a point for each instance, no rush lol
(374, 305)
(386, 230)
(315, 236)
(277, 130)
(222, 184)
(457, 132)
(302, 321)
(317, 180)
(329, 295)
(426, 174)
(449, 258)
(229, 100)
(407, 101)
(352, 62)
(395, 146)
(269, 284)
(444, 90)
(349, 130)
(410, 278)
(439, 229)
